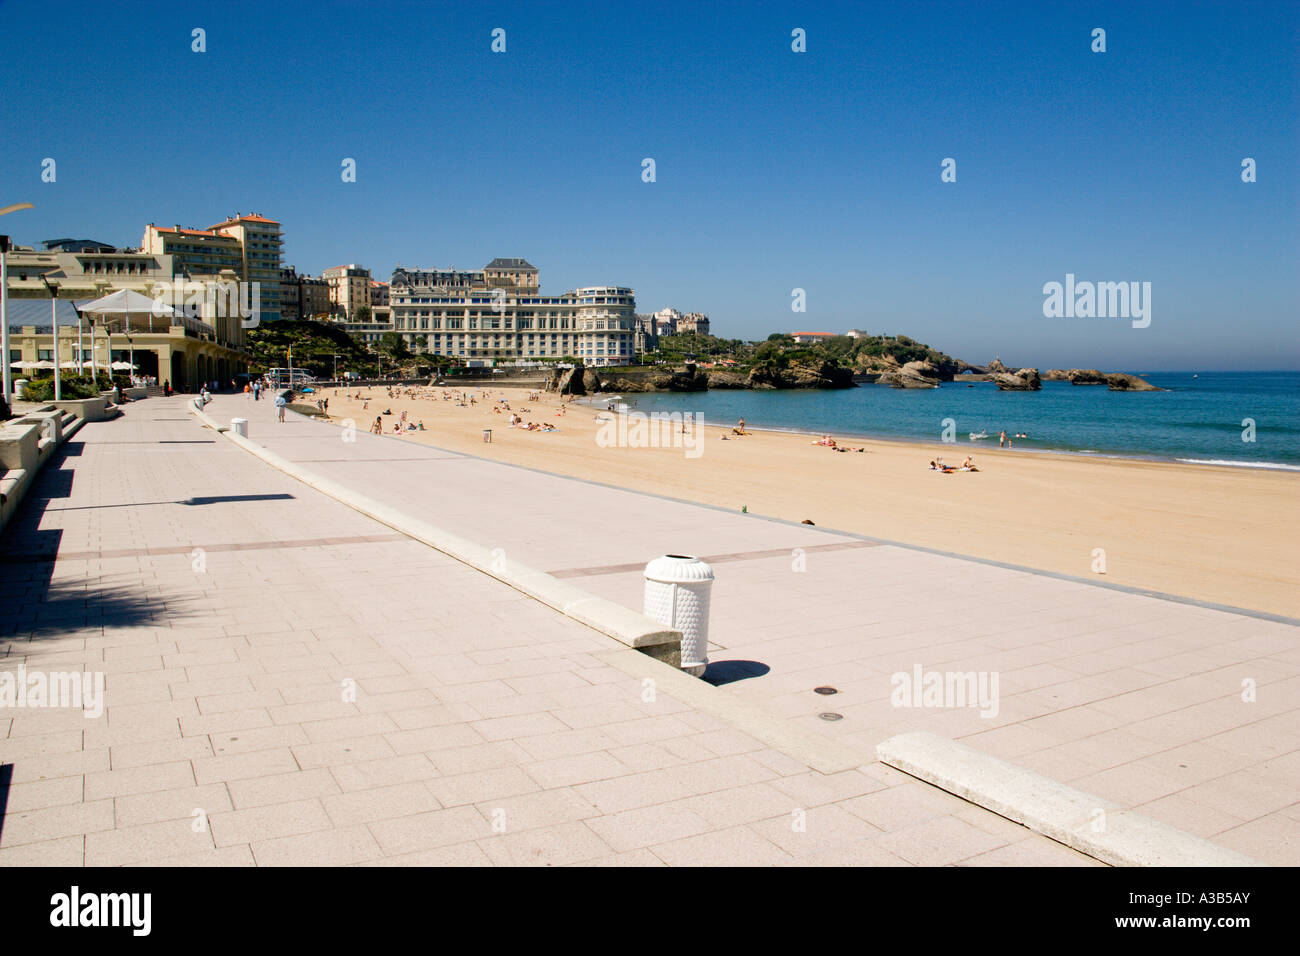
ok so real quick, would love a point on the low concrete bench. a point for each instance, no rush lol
(20, 445)
(88, 409)
(50, 423)
(25, 445)
(12, 486)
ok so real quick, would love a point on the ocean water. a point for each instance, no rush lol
(1199, 418)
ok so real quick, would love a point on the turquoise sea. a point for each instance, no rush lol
(1199, 418)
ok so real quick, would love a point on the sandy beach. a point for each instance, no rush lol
(1218, 534)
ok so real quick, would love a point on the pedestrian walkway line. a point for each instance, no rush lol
(21, 558)
(718, 558)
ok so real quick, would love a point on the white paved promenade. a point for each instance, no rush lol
(289, 682)
(1188, 714)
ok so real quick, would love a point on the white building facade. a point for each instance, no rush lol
(498, 315)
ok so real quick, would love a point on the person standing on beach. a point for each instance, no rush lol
(279, 406)
(1002, 439)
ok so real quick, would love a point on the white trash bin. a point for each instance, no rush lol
(239, 426)
(677, 588)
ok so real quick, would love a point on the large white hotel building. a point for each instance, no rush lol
(497, 315)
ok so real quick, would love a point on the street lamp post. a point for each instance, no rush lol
(5, 385)
(54, 334)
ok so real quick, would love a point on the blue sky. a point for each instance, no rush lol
(775, 169)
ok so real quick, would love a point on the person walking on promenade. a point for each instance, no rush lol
(279, 406)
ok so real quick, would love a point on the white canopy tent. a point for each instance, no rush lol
(122, 306)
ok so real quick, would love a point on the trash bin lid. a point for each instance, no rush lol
(678, 569)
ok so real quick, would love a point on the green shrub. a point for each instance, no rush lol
(71, 387)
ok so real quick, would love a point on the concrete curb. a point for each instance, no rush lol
(625, 626)
(1093, 826)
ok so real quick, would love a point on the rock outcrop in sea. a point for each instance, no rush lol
(1117, 381)
(911, 375)
(1075, 376)
(1023, 380)
(1123, 382)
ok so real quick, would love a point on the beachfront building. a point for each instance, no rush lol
(289, 294)
(249, 246)
(195, 252)
(644, 335)
(672, 322)
(349, 290)
(665, 321)
(260, 243)
(694, 322)
(369, 330)
(809, 338)
(497, 315)
(303, 296)
(313, 297)
(181, 349)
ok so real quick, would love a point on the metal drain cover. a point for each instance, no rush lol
(825, 690)
(830, 715)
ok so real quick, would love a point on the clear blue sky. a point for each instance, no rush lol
(775, 169)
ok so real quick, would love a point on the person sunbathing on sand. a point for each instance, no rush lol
(968, 464)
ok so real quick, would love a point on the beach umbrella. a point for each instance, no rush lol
(122, 367)
(26, 365)
(44, 363)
